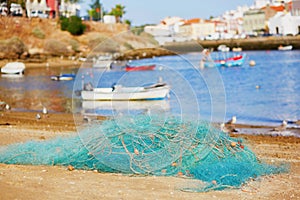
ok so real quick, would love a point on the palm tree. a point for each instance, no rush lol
(118, 11)
(95, 11)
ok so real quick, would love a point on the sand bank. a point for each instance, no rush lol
(54, 182)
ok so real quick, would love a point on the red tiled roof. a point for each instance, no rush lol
(279, 8)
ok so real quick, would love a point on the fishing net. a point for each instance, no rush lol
(156, 145)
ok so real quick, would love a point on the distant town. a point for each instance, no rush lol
(264, 18)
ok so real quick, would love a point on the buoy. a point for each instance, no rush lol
(252, 63)
(257, 87)
(180, 174)
(136, 152)
(233, 144)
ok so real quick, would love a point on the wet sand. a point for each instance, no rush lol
(55, 182)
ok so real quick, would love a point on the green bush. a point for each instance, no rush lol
(64, 23)
(73, 25)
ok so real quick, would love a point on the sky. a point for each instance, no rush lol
(141, 12)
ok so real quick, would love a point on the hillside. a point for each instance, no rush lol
(42, 38)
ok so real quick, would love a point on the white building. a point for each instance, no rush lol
(109, 19)
(201, 30)
(262, 3)
(159, 30)
(68, 9)
(34, 7)
(284, 23)
(167, 31)
(40, 8)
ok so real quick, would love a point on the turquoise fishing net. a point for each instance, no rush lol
(150, 145)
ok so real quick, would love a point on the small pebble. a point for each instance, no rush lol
(70, 168)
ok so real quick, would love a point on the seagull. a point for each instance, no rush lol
(7, 107)
(282, 127)
(232, 120)
(230, 125)
(228, 129)
(38, 116)
(223, 128)
(45, 111)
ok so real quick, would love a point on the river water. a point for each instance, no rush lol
(264, 94)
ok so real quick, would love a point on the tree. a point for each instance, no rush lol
(72, 24)
(96, 10)
(127, 21)
(118, 12)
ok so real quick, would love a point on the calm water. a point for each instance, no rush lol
(213, 94)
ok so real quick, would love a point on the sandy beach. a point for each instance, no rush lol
(56, 182)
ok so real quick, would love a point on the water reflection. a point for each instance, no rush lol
(116, 107)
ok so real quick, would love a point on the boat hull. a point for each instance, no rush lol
(64, 77)
(13, 68)
(103, 64)
(162, 105)
(126, 94)
(236, 61)
(285, 48)
(139, 68)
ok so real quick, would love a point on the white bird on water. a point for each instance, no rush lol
(45, 111)
(282, 127)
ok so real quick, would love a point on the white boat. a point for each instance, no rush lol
(118, 92)
(63, 77)
(223, 48)
(156, 105)
(285, 48)
(103, 62)
(13, 68)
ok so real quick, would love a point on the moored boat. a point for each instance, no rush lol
(160, 105)
(63, 77)
(13, 68)
(223, 48)
(139, 68)
(118, 92)
(234, 61)
(285, 48)
(103, 62)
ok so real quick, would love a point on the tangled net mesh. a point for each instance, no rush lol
(164, 146)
